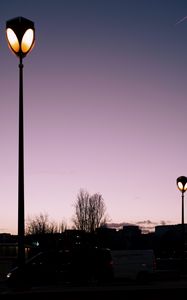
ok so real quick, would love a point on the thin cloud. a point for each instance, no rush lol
(181, 20)
(146, 222)
(118, 225)
(146, 226)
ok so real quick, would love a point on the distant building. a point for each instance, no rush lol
(131, 231)
(7, 238)
(161, 230)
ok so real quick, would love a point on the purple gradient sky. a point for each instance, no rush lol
(105, 107)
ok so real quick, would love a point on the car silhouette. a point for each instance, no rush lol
(78, 266)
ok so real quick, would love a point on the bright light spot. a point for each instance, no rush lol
(27, 41)
(182, 187)
(12, 40)
(9, 275)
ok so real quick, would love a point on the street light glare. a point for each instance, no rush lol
(182, 183)
(27, 41)
(12, 40)
(181, 187)
(20, 33)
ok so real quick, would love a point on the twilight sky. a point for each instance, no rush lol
(105, 108)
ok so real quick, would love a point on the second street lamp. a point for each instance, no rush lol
(182, 186)
(20, 33)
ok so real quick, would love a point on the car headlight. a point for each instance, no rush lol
(9, 275)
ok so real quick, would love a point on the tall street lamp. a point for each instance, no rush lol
(20, 33)
(182, 186)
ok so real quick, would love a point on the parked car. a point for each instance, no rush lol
(134, 264)
(79, 265)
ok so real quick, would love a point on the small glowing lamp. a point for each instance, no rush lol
(182, 183)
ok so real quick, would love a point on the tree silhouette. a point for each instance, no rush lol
(41, 225)
(89, 211)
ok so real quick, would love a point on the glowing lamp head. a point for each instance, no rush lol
(182, 183)
(20, 33)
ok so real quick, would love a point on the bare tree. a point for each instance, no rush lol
(89, 211)
(41, 225)
(62, 226)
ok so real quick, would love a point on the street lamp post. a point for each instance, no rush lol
(20, 33)
(182, 186)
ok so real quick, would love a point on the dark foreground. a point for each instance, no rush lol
(155, 290)
(119, 294)
(103, 294)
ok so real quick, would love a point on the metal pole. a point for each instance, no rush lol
(183, 233)
(21, 221)
(182, 209)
